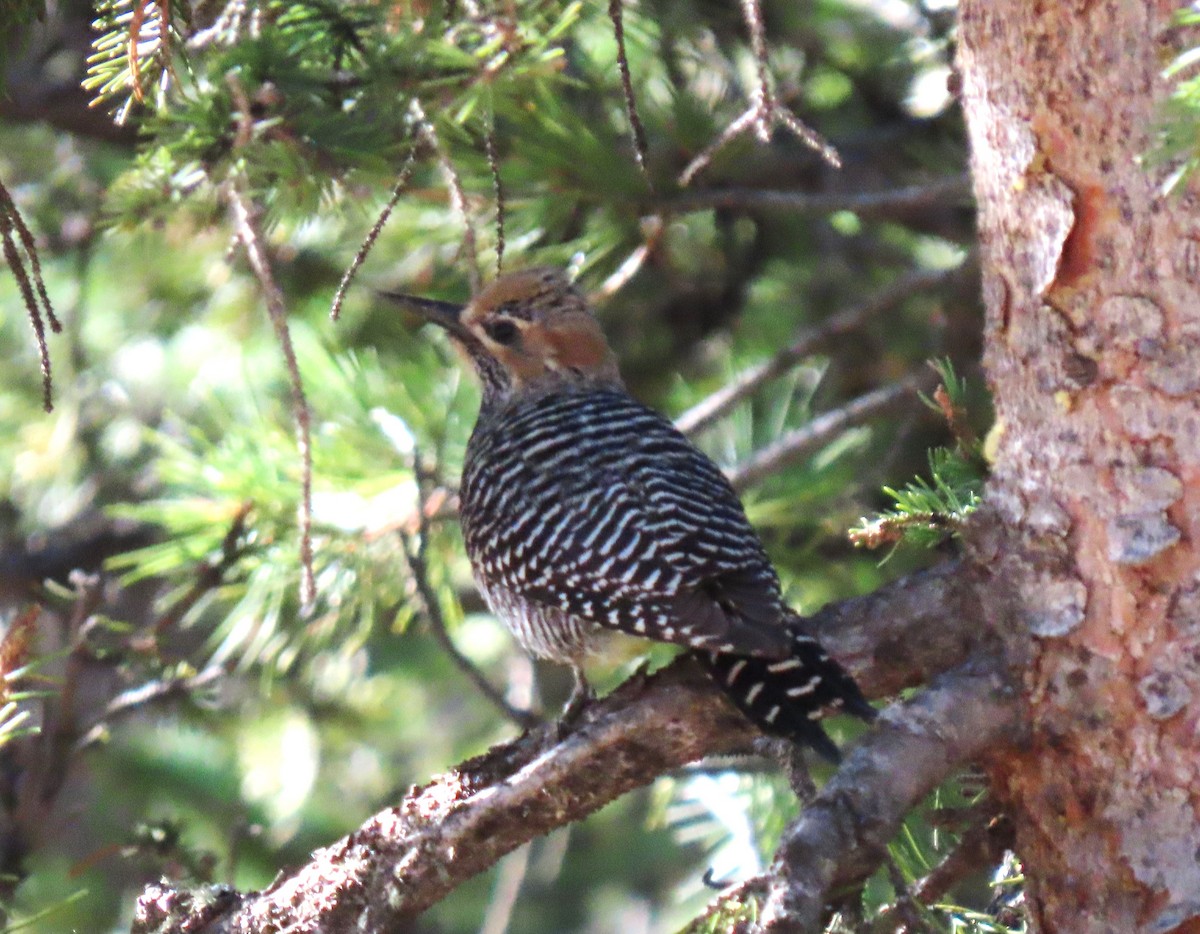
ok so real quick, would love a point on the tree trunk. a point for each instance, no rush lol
(1093, 333)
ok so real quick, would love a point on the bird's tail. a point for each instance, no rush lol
(788, 697)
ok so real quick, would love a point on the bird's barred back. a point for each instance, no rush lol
(595, 505)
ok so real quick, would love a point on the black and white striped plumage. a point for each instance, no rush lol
(584, 511)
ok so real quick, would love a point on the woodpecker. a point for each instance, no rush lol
(585, 512)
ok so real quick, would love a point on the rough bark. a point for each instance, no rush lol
(1091, 279)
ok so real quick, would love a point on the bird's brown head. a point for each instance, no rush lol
(526, 331)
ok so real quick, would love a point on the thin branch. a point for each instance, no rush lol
(752, 14)
(652, 230)
(636, 129)
(437, 626)
(489, 145)
(458, 196)
(398, 189)
(892, 201)
(982, 846)
(152, 692)
(843, 833)
(30, 282)
(406, 858)
(246, 225)
(415, 553)
(60, 714)
(702, 160)
(208, 574)
(802, 442)
(225, 28)
(746, 383)
(765, 111)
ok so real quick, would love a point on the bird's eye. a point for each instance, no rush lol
(502, 331)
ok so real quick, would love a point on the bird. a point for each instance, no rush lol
(585, 512)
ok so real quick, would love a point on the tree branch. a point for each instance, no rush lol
(843, 833)
(800, 443)
(765, 111)
(906, 632)
(246, 217)
(414, 553)
(865, 203)
(406, 858)
(982, 846)
(152, 692)
(746, 383)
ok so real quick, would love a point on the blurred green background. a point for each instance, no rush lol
(148, 525)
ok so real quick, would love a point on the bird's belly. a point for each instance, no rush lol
(543, 631)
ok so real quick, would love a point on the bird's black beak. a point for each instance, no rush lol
(446, 315)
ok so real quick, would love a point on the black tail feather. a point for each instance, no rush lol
(789, 697)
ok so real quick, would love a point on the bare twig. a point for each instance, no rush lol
(13, 229)
(246, 225)
(437, 626)
(800, 443)
(489, 145)
(983, 845)
(617, 16)
(226, 27)
(208, 575)
(702, 160)
(458, 196)
(765, 111)
(376, 229)
(652, 232)
(152, 692)
(415, 554)
(867, 204)
(60, 714)
(746, 383)
(842, 834)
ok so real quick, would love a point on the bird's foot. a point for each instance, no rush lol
(581, 697)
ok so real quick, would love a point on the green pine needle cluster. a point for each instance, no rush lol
(928, 510)
(318, 94)
(1178, 140)
(229, 497)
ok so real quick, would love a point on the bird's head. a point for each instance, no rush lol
(526, 331)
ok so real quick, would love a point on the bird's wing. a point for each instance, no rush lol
(611, 515)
